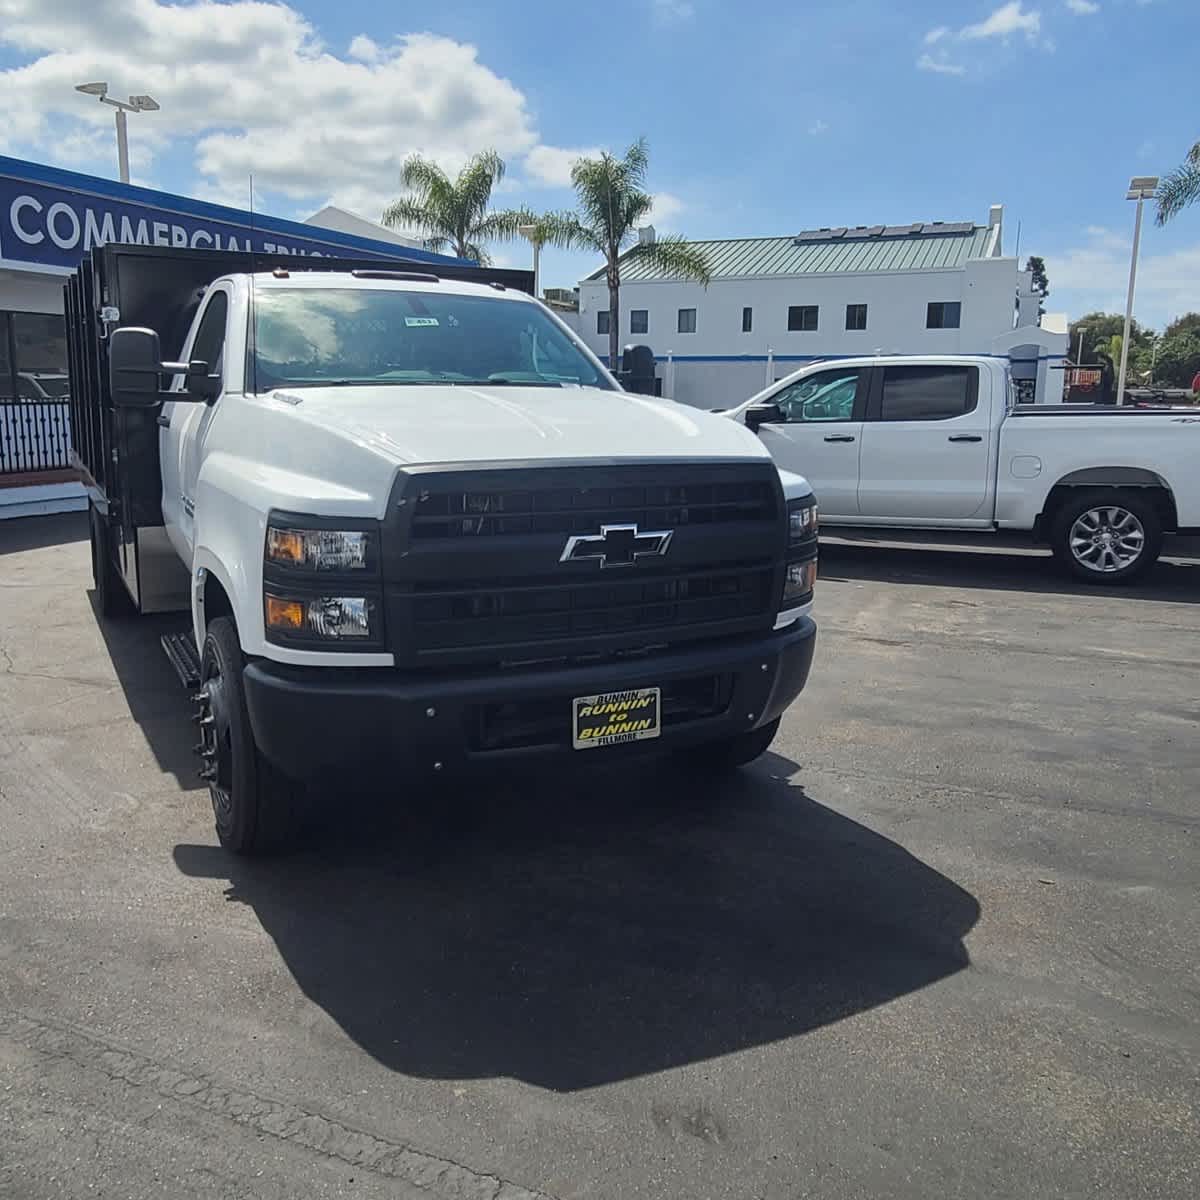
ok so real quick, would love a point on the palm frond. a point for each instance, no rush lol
(426, 179)
(503, 226)
(475, 183)
(677, 257)
(566, 231)
(409, 213)
(477, 252)
(636, 163)
(1179, 188)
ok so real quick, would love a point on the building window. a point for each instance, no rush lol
(34, 389)
(928, 393)
(747, 319)
(687, 320)
(802, 317)
(602, 320)
(943, 314)
(856, 316)
(639, 320)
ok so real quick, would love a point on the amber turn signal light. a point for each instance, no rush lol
(284, 614)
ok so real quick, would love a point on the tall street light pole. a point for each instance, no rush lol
(1141, 188)
(135, 104)
(530, 232)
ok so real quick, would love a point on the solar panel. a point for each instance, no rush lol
(891, 231)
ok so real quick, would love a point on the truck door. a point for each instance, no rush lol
(819, 436)
(186, 425)
(927, 445)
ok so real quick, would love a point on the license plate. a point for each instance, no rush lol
(615, 717)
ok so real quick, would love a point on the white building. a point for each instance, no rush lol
(776, 303)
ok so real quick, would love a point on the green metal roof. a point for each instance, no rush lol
(920, 247)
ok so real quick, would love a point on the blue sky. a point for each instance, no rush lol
(762, 118)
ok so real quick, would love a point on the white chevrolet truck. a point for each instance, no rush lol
(937, 442)
(419, 526)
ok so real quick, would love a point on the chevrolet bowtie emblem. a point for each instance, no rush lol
(616, 546)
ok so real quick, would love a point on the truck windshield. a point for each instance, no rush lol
(310, 337)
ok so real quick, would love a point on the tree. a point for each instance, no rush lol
(1188, 323)
(1036, 266)
(1098, 330)
(612, 204)
(453, 213)
(1180, 187)
(1178, 358)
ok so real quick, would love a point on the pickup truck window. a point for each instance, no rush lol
(210, 335)
(825, 396)
(310, 337)
(928, 393)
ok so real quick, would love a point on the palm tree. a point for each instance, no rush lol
(1180, 187)
(453, 213)
(612, 205)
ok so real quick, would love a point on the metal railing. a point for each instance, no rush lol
(35, 435)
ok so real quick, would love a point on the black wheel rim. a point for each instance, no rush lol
(216, 741)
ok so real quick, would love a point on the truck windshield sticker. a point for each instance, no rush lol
(419, 322)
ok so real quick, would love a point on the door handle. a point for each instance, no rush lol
(839, 437)
(965, 437)
(163, 420)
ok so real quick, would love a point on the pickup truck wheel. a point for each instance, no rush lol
(1108, 536)
(735, 751)
(111, 597)
(254, 805)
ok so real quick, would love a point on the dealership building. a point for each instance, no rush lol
(776, 303)
(49, 218)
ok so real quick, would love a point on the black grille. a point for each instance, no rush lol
(569, 510)
(538, 611)
(473, 572)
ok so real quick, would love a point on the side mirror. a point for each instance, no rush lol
(763, 414)
(134, 365)
(200, 383)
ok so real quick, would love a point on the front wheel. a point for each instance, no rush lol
(734, 751)
(254, 805)
(1107, 536)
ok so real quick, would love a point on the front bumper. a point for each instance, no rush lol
(313, 720)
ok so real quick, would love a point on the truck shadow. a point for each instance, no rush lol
(573, 931)
(1176, 582)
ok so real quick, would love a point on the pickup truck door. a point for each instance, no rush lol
(928, 446)
(186, 425)
(819, 437)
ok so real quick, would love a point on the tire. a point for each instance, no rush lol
(1107, 535)
(735, 751)
(112, 598)
(255, 807)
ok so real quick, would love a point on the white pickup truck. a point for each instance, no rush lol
(418, 525)
(937, 443)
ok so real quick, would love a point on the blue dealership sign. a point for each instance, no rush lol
(51, 218)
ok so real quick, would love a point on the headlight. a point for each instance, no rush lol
(802, 519)
(798, 583)
(319, 549)
(326, 618)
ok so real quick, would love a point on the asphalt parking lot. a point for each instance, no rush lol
(942, 942)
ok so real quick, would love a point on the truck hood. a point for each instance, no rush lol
(469, 423)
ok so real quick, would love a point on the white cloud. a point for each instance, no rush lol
(551, 165)
(942, 66)
(1004, 22)
(251, 87)
(666, 208)
(672, 12)
(818, 127)
(1083, 8)
(364, 49)
(1095, 274)
(935, 35)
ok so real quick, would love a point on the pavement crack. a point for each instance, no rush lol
(440, 1177)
